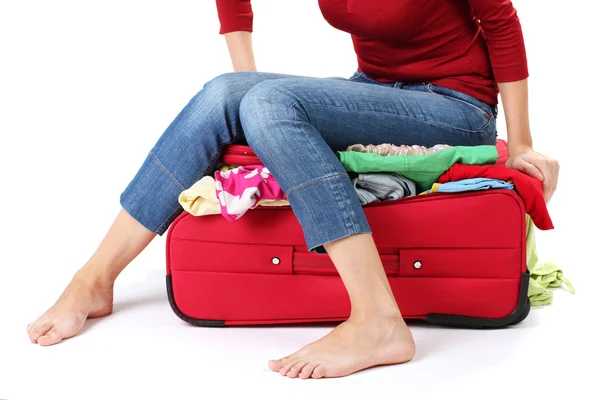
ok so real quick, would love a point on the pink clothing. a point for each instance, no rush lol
(241, 189)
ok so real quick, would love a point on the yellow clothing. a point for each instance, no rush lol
(201, 198)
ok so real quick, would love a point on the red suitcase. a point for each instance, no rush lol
(451, 259)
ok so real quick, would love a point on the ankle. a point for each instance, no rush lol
(96, 279)
(369, 315)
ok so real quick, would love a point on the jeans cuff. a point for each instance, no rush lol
(328, 209)
(152, 197)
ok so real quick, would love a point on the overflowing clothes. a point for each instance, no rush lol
(374, 187)
(542, 275)
(423, 169)
(242, 188)
(201, 198)
(529, 189)
(389, 172)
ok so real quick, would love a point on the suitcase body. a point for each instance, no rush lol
(451, 259)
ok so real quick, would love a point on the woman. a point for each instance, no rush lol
(429, 73)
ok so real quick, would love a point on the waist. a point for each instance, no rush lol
(429, 87)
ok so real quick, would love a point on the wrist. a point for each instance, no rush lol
(519, 141)
(518, 148)
(244, 68)
(242, 64)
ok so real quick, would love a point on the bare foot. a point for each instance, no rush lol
(83, 298)
(352, 346)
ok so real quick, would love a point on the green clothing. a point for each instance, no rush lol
(542, 275)
(423, 169)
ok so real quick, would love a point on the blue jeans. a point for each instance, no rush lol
(295, 125)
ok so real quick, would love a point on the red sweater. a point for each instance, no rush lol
(465, 45)
(530, 189)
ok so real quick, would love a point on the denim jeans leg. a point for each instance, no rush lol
(188, 149)
(295, 127)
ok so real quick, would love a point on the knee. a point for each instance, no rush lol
(223, 89)
(216, 105)
(212, 113)
(266, 103)
(268, 95)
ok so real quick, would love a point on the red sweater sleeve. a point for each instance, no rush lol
(504, 38)
(235, 15)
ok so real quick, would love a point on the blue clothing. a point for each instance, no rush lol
(466, 185)
(295, 125)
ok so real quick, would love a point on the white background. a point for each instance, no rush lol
(87, 87)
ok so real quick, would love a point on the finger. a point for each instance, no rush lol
(554, 185)
(529, 169)
(550, 172)
(556, 170)
(548, 191)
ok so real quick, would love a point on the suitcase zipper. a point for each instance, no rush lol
(236, 154)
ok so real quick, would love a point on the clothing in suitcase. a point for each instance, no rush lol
(451, 258)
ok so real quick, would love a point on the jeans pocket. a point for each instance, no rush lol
(478, 117)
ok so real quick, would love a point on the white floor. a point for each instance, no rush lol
(144, 351)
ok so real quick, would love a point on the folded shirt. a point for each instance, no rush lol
(374, 187)
(466, 185)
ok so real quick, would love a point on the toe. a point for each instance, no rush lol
(35, 331)
(296, 368)
(53, 336)
(307, 371)
(276, 365)
(287, 366)
(319, 372)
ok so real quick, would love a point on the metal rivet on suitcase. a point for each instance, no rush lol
(275, 260)
(417, 264)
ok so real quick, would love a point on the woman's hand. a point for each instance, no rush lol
(537, 165)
